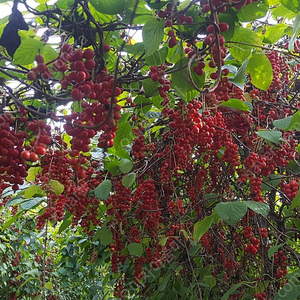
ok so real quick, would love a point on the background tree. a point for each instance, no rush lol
(149, 150)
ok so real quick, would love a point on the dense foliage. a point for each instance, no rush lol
(149, 150)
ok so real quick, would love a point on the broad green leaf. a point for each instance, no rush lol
(58, 188)
(231, 212)
(136, 249)
(29, 204)
(158, 57)
(104, 235)
(49, 53)
(274, 249)
(48, 285)
(260, 70)
(232, 290)
(66, 222)
(253, 11)
(209, 280)
(182, 83)
(283, 123)
(293, 5)
(294, 123)
(272, 181)
(163, 284)
(201, 227)
(124, 135)
(32, 190)
(14, 201)
(143, 103)
(163, 241)
(28, 49)
(239, 77)
(112, 166)
(110, 7)
(153, 33)
(282, 12)
(11, 220)
(258, 207)
(272, 136)
(289, 291)
(274, 33)
(128, 179)
(125, 165)
(247, 36)
(32, 172)
(296, 201)
(102, 191)
(296, 28)
(150, 87)
(236, 103)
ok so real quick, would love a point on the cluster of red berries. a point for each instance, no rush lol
(12, 164)
(290, 189)
(41, 68)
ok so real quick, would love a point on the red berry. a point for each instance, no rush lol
(39, 59)
(31, 75)
(33, 157)
(171, 33)
(168, 23)
(81, 76)
(210, 28)
(79, 66)
(40, 150)
(66, 48)
(172, 42)
(154, 77)
(208, 40)
(88, 54)
(106, 48)
(76, 94)
(223, 27)
(89, 64)
(25, 155)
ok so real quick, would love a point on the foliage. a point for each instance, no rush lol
(149, 150)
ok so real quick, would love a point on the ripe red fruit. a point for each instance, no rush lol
(75, 55)
(89, 64)
(40, 150)
(33, 157)
(172, 42)
(86, 88)
(41, 67)
(189, 20)
(81, 76)
(79, 66)
(45, 139)
(88, 54)
(66, 48)
(206, 8)
(39, 59)
(223, 27)
(154, 77)
(168, 23)
(25, 155)
(76, 94)
(106, 48)
(31, 75)
(210, 28)
(208, 40)
(171, 33)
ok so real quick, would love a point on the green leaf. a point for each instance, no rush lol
(260, 70)
(274, 249)
(104, 235)
(49, 53)
(294, 123)
(48, 285)
(140, 100)
(296, 28)
(128, 179)
(236, 103)
(296, 201)
(239, 77)
(273, 181)
(11, 220)
(136, 249)
(14, 201)
(153, 33)
(229, 17)
(66, 222)
(272, 136)
(282, 12)
(231, 212)
(102, 191)
(182, 83)
(32, 172)
(209, 280)
(274, 33)
(253, 11)
(158, 57)
(232, 290)
(293, 5)
(282, 124)
(258, 207)
(124, 135)
(244, 35)
(29, 204)
(58, 188)
(289, 291)
(32, 190)
(150, 87)
(163, 284)
(28, 49)
(110, 7)
(125, 165)
(201, 227)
